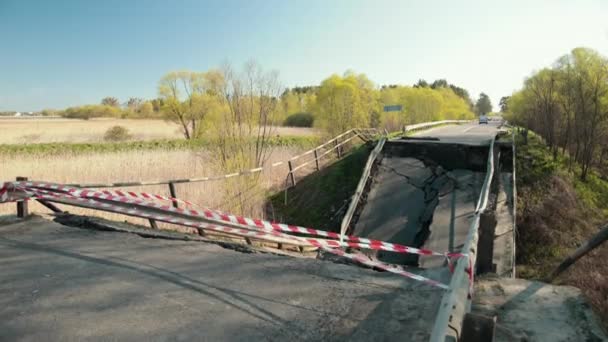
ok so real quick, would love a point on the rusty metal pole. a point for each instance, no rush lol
(173, 194)
(22, 207)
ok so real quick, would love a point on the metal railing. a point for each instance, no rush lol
(456, 302)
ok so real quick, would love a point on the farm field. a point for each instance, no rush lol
(147, 166)
(45, 130)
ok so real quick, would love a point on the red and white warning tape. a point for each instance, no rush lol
(246, 227)
(387, 267)
(352, 241)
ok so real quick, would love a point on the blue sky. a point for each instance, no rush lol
(55, 54)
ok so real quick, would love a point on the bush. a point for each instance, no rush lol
(299, 120)
(117, 133)
(91, 111)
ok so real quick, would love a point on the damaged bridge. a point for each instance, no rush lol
(448, 189)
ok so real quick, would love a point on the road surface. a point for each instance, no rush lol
(59, 283)
(473, 133)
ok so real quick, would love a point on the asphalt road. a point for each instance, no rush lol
(60, 283)
(473, 133)
(406, 194)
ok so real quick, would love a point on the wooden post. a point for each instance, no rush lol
(317, 159)
(172, 192)
(22, 208)
(337, 148)
(153, 224)
(587, 247)
(291, 175)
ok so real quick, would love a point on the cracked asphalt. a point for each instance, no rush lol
(416, 202)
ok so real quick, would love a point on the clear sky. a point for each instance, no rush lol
(60, 53)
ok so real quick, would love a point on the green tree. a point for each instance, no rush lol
(483, 104)
(343, 103)
(567, 105)
(504, 107)
(188, 97)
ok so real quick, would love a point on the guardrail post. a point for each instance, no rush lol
(22, 207)
(317, 159)
(153, 224)
(172, 192)
(291, 175)
(337, 148)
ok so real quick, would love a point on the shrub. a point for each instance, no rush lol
(117, 133)
(299, 120)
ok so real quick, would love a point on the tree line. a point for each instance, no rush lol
(192, 99)
(567, 104)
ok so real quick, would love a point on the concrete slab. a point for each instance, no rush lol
(64, 284)
(534, 311)
(455, 210)
(395, 203)
(504, 238)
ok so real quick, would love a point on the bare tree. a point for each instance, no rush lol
(110, 101)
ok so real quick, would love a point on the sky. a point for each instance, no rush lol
(56, 54)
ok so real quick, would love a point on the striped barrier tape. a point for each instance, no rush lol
(50, 196)
(4, 192)
(387, 267)
(148, 196)
(217, 216)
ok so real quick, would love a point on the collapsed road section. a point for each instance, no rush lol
(424, 192)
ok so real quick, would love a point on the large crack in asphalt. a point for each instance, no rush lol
(438, 184)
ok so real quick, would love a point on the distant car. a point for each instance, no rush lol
(483, 119)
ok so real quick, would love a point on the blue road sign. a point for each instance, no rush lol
(393, 108)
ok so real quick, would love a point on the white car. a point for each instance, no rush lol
(483, 119)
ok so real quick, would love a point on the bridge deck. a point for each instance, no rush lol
(63, 283)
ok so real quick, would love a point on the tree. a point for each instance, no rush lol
(188, 98)
(567, 105)
(504, 107)
(110, 101)
(483, 104)
(133, 103)
(242, 125)
(441, 83)
(421, 84)
(146, 110)
(343, 103)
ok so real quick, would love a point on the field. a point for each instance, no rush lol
(43, 130)
(148, 165)
(73, 151)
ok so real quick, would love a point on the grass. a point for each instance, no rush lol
(142, 165)
(59, 130)
(318, 199)
(62, 148)
(557, 213)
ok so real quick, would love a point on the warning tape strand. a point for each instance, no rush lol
(132, 211)
(352, 241)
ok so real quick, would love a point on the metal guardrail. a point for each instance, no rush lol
(321, 148)
(370, 162)
(431, 124)
(360, 187)
(456, 302)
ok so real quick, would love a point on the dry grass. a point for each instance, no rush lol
(41, 130)
(146, 165)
